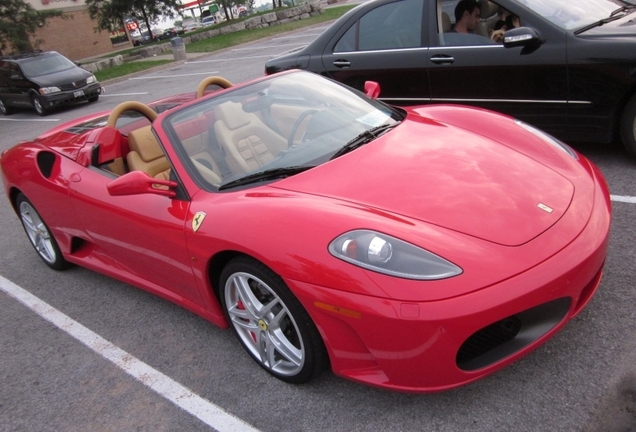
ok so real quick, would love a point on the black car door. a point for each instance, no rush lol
(387, 44)
(529, 83)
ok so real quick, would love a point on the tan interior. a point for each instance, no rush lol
(146, 155)
(489, 18)
(248, 142)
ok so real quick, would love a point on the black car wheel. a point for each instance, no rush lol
(93, 99)
(39, 234)
(4, 109)
(270, 322)
(37, 105)
(628, 126)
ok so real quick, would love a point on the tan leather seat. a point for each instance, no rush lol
(446, 23)
(489, 17)
(248, 142)
(146, 155)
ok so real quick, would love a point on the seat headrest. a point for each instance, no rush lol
(488, 9)
(446, 22)
(232, 115)
(143, 141)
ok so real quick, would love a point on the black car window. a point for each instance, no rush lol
(447, 36)
(391, 26)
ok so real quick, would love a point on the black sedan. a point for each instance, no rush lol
(568, 67)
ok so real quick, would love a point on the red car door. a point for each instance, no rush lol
(141, 234)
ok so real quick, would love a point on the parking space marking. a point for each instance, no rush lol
(30, 120)
(124, 94)
(258, 47)
(173, 76)
(622, 198)
(230, 59)
(210, 414)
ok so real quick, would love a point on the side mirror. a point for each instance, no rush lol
(138, 182)
(521, 36)
(372, 89)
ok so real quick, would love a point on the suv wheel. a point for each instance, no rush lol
(37, 105)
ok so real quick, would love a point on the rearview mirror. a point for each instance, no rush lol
(521, 36)
(138, 182)
(372, 89)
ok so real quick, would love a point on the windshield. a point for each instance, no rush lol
(45, 64)
(280, 126)
(571, 15)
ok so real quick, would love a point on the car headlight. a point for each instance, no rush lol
(391, 256)
(48, 90)
(91, 79)
(548, 138)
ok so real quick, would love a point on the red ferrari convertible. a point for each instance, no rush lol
(414, 249)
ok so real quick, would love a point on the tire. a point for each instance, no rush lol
(39, 234)
(628, 126)
(4, 109)
(93, 99)
(37, 106)
(270, 322)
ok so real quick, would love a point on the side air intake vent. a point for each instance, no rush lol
(46, 160)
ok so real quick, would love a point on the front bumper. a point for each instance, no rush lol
(65, 97)
(438, 345)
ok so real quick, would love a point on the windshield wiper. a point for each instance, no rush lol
(617, 14)
(364, 138)
(270, 174)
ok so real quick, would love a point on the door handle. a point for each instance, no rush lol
(442, 59)
(342, 63)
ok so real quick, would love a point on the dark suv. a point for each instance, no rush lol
(44, 80)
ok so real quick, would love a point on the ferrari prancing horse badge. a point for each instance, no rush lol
(197, 220)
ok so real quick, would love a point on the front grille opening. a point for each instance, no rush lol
(489, 338)
(509, 335)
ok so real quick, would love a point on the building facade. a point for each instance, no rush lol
(75, 37)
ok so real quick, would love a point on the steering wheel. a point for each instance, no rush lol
(130, 106)
(299, 120)
(213, 80)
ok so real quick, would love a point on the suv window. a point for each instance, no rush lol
(391, 26)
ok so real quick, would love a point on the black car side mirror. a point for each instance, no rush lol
(522, 36)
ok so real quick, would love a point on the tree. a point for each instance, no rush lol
(110, 13)
(19, 21)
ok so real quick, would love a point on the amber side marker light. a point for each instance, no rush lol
(338, 310)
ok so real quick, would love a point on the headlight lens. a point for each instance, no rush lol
(548, 139)
(391, 256)
(91, 79)
(48, 90)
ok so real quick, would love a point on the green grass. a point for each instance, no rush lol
(229, 40)
(222, 41)
(128, 68)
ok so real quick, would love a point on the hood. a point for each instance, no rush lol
(623, 27)
(61, 78)
(449, 177)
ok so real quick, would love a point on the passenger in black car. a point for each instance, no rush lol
(506, 22)
(467, 16)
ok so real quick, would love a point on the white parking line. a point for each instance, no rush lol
(124, 94)
(258, 47)
(231, 59)
(30, 120)
(622, 198)
(210, 414)
(173, 76)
